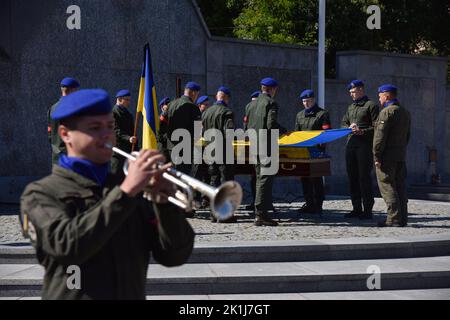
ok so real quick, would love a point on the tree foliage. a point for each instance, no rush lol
(419, 26)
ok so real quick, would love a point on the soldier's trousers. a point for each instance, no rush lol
(313, 191)
(219, 173)
(359, 161)
(391, 182)
(264, 184)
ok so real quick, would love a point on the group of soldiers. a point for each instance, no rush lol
(377, 138)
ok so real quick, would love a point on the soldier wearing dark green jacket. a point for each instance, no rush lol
(182, 114)
(219, 116)
(93, 236)
(161, 135)
(264, 116)
(124, 128)
(250, 105)
(68, 85)
(361, 116)
(312, 118)
(391, 138)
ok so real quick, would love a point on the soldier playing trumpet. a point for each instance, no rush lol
(79, 216)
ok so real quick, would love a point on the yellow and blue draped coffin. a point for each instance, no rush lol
(301, 153)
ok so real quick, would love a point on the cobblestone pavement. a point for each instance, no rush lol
(426, 218)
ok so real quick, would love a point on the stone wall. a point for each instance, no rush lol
(37, 51)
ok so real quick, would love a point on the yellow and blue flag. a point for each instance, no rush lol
(147, 104)
(300, 139)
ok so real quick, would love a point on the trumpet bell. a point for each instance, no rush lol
(226, 201)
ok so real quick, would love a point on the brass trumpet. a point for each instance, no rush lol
(224, 200)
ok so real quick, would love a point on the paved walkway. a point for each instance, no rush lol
(425, 218)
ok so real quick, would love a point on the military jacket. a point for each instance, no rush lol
(218, 116)
(161, 136)
(72, 221)
(264, 114)
(250, 105)
(55, 140)
(124, 127)
(392, 133)
(317, 119)
(181, 115)
(364, 113)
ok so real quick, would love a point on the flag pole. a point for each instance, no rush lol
(321, 62)
(136, 123)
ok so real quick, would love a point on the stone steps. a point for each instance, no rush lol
(410, 268)
(286, 251)
(266, 278)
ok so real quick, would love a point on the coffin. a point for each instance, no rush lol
(293, 162)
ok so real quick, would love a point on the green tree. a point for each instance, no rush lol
(419, 26)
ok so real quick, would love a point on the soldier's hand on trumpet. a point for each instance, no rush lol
(145, 174)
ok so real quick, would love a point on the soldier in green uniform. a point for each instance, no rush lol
(312, 118)
(84, 225)
(253, 97)
(392, 132)
(182, 114)
(220, 117)
(361, 116)
(201, 170)
(161, 136)
(203, 103)
(68, 85)
(124, 128)
(263, 116)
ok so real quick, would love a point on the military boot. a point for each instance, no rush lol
(263, 220)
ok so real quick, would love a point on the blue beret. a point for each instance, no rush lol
(269, 82)
(225, 90)
(69, 83)
(193, 86)
(164, 101)
(202, 99)
(355, 84)
(255, 94)
(307, 94)
(83, 102)
(123, 93)
(387, 88)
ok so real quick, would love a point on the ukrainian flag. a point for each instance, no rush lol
(147, 104)
(298, 139)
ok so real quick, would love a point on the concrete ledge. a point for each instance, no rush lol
(249, 278)
(285, 251)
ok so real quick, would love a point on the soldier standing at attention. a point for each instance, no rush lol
(182, 114)
(253, 97)
(124, 128)
(361, 116)
(263, 116)
(391, 138)
(161, 136)
(220, 117)
(81, 215)
(201, 170)
(312, 118)
(68, 86)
